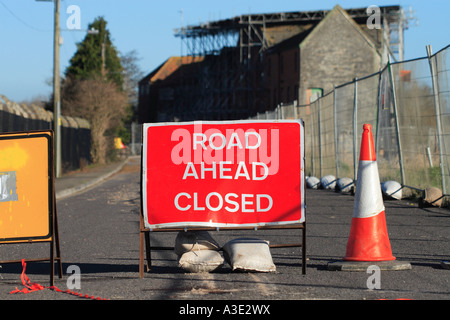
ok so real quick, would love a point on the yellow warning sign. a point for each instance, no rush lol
(26, 186)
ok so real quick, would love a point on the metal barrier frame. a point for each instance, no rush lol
(144, 233)
(53, 239)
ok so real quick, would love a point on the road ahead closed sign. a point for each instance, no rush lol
(223, 174)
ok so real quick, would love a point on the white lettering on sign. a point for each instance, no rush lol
(214, 201)
(235, 146)
(235, 155)
(221, 171)
(233, 141)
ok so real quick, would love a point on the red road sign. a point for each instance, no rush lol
(223, 174)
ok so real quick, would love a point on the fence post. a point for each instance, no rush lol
(313, 172)
(397, 128)
(378, 112)
(294, 105)
(133, 138)
(355, 120)
(320, 138)
(438, 115)
(336, 153)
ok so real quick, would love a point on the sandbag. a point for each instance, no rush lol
(247, 254)
(432, 195)
(328, 182)
(312, 182)
(194, 240)
(344, 185)
(201, 261)
(392, 189)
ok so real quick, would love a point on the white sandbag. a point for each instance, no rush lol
(201, 261)
(328, 182)
(312, 182)
(344, 185)
(392, 189)
(194, 240)
(246, 254)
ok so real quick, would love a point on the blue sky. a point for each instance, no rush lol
(147, 26)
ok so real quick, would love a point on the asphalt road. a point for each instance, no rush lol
(99, 234)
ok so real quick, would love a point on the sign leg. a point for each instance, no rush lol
(304, 248)
(58, 249)
(141, 248)
(147, 250)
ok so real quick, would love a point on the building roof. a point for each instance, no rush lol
(170, 66)
(285, 34)
(299, 35)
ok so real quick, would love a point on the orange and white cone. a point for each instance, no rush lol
(368, 240)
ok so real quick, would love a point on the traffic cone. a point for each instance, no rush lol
(368, 240)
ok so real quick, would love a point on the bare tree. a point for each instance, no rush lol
(132, 75)
(103, 104)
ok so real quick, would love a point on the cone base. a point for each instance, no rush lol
(369, 240)
(363, 259)
(362, 266)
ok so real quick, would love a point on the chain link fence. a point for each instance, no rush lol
(408, 105)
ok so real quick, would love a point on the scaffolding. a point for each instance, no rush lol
(230, 84)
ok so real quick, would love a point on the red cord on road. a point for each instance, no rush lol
(31, 287)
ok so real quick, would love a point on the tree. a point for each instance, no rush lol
(96, 55)
(101, 103)
(93, 89)
(132, 75)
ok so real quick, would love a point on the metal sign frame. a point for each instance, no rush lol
(145, 246)
(53, 235)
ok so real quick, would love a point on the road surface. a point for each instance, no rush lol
(99, 234)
